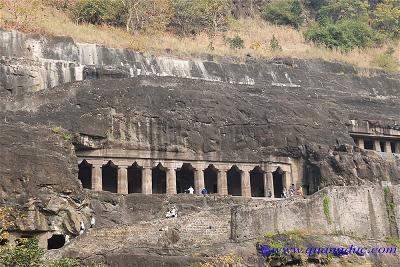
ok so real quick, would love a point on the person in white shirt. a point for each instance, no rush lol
(82, 228)
(92, 222)
(174, 212)
(191, 190)
(66, 239)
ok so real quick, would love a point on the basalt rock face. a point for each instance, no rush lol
(38, 180)
(187, 119)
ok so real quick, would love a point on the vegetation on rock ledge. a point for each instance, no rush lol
(345, 30)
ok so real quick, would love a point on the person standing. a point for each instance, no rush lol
(191, 190)
(92, 222)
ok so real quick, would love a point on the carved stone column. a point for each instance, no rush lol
(122, 180)
(171, 181)
(245, 182)
(222, 182)
(198, 180)
(388, 147)
(97, 178)
(377, 146)
(360, 143)
(147, 182)
(270, 183)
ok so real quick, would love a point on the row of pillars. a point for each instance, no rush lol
(378, 145)
(199, 182)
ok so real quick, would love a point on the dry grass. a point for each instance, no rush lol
(255, 32)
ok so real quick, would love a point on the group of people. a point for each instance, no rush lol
(190, 190)
(292, 192)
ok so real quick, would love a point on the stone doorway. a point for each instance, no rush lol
(211, 179)
(110, 177)
(159, 179)
(278, 182)
(234, 176)
(134, 179)
(184, 178)
(257, 182)
(85, 174)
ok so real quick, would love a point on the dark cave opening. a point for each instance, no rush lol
(184, 178)
(159, 180)
(55, 242)
(211, 179)
(234, 176)
(135, 179)
(278, 183)
(110, 177)
(85, 174)
(257, 182)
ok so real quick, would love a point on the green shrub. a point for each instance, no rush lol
(65, 263)
(56, 130)
(274, 44)
(345, 34)
(236, 42)
(387, 61)
(326, 202)
(387, 18)
(344, 9)
(193, 17)
(26, 253)
(99, 11)
(284, 12)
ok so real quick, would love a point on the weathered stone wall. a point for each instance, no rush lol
(354, 211)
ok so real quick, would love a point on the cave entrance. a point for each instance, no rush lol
(55, 242)
(368, 144)
(383, 146)
(257, 182)
(393, 147)
(134, 179)
(110, 177)
(184, 178)
(85, 174)
(234, 176)
(278, 182)
(159, 179)
(211, 179)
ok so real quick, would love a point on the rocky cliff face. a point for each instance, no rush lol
(205, 110)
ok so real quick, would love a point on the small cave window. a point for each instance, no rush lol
(55, 242)
(369, 144)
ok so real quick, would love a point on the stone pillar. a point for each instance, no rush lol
(397, 146)
(171, 181)
(97, 178)
(122, 180)
(269, 183)
(245, 180)
(198, 180)
(222, 182)
(147, 181)
(377, 146)
(388, 147)
(360, 143)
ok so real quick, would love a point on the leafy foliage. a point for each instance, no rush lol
(274, 44)
(98, 11)
(148, 15)
(192, 17)
(26, 254)
(387, 18)
(344, 9)
(326, 203)
(345, 34)
(236, 42)
(284, 12)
